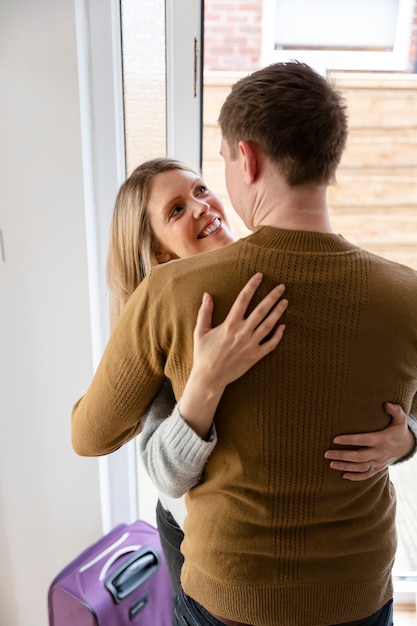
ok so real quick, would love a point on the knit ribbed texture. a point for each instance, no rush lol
(273, 536)
(172, 452)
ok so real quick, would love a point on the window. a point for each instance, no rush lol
(405, 567)
(146, 96)
(339, 34)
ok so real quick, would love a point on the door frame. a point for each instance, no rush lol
(100, 70)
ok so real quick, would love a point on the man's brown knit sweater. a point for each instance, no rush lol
(273, 536)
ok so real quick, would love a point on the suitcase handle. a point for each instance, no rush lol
(116, 555)
(133, 573)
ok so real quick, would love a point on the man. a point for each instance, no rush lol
(273, 537)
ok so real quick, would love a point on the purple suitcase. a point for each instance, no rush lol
(121, 579)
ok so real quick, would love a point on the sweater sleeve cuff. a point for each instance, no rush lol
(179, 436)
(412, 425)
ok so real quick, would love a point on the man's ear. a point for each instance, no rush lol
(249, 155)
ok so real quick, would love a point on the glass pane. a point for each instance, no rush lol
(144, 78)
(404, 476)
(370, 35)
(335, 24)
(144, 89)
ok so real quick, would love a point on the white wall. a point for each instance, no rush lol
(49, 497)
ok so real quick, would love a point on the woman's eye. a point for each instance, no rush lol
(176, 211)
(201, 189)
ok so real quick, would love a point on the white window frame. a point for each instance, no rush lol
(99, 49)
(184, 57)
(396, 60)
(103, 154)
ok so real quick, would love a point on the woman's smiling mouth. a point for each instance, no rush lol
(214, 225)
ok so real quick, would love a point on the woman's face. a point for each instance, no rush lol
(186, 218)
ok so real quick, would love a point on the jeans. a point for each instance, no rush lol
(188, 612)
(383, 617)
(171, 538)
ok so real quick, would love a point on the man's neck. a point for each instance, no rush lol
(296, 208)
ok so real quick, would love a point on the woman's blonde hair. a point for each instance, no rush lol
(132, 246)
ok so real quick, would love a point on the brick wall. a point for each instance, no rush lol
(232, 38)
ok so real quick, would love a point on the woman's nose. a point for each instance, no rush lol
(200, 208)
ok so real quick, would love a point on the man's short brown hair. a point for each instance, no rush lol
(294, 115)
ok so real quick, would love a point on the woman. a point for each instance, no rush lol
(163, 212)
